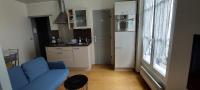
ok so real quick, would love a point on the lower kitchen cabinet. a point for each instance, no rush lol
(81, 57)
(74, 57)
(64, 54)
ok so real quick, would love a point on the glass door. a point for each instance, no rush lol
(80, 18)
(157, 21)
(148, 30)
(162, 34)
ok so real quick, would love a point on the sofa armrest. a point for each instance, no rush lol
(56, 65)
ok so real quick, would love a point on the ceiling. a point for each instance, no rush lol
(33, 1)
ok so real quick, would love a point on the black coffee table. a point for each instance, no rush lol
(76, 82)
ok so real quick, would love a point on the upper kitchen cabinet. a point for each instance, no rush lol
(125, 8)
(40, 9)
(77, 19)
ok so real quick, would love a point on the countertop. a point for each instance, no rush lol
(69, 45)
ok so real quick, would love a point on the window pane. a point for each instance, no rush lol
(162, 33)
(147, 29)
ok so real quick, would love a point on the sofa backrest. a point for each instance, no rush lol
(34, 68)
(17, 78)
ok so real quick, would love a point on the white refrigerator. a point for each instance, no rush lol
(125, 33)
(124, 50)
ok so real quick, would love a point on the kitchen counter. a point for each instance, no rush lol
(69, 45)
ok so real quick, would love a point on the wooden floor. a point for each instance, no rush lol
(102, 77)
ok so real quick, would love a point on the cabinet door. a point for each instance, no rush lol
(81, 57)
(53, 53)
(68, 56)
(64, 54)
(124, 49)
(125, 8)
(80, 18)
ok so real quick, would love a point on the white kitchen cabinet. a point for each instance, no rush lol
(64, 54)
(125, 8)
(81, 57)
(77, 19)
(73, 57)
(124, 50)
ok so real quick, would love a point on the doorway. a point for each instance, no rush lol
(41, 29)
(102, 34)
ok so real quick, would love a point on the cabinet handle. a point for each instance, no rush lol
(76, 48)
(59, 53)
(95, 39)
(58, 48)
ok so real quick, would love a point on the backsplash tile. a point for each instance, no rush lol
(83, 34)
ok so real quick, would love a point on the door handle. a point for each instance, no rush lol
(59, 53)
(95, 39)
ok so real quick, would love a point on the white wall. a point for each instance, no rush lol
(15, 28)
(4, 79)
(42, 8)
(187, 23)
(49, 8)
(90, 4)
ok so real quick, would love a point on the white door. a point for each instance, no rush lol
(102, 32)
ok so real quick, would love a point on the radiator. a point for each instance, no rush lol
(152, 83)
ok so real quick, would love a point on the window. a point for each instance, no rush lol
(156, 33)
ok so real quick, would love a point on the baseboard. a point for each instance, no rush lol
(79, 68)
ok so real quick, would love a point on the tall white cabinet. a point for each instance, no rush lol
(125, 7)
(125, 21)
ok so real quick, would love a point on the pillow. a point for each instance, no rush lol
(35, 68)
(17, 78)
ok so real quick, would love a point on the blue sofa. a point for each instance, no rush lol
(38, 74)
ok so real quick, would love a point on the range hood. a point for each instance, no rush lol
(62, 17)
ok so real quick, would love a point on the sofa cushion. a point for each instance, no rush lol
(17, 75)
(57, 65)
(48, 81)
(35, 68)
